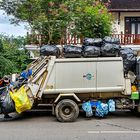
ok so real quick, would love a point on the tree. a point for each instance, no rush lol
(12, 58)
(1, 46)
(6, 66)
(90, 17)
(54, 18)
(44, 16)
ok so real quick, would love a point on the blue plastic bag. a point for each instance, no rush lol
(94, 103)
(29, 72)
(25, 74)
(105, 108)
(101, 109)
(87, 108)
(111, 105)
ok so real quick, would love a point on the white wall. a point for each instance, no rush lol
(115, 26)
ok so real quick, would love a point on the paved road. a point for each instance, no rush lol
(43, 126)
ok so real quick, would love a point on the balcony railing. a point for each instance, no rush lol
(38, 39)
(125, 39)
(128, 39)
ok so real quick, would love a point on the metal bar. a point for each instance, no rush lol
(50, 68)
(38, 70)
(84, 90)
(39, 74)
(66, 95)
(39, 65)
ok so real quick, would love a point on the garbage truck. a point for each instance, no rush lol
(64, 84)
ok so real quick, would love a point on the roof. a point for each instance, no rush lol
(124, 5)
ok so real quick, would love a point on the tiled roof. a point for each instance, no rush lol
(125, 5)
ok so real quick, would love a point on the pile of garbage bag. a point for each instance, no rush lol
(95, 47)
(91, 47)
(106, 47)
(47, 50)
(98, 108)
(13, 95)
(111, 47)
(71, 51)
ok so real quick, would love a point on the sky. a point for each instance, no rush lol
(10, 29)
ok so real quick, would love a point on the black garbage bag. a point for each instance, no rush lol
(92, 42)
(90, 51)
(47, 50)
(108, 49)
(7, 105)
(129, 59)
(111, 40)
(71, 51)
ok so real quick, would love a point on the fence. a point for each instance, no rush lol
(125, 39)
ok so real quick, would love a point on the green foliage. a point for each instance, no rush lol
(91, 18)
(13, 59)
(1, 46)
(6, 66)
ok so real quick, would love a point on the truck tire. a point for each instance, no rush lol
(67, 111)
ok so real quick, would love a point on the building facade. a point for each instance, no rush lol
(126, 15)
(126, 25)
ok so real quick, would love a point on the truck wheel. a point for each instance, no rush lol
(67, 111)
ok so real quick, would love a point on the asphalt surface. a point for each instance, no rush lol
(44, 126)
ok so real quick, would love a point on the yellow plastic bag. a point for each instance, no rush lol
(22, 102)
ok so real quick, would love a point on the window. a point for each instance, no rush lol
(132, 25)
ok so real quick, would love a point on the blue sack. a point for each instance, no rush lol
(111, 105)
(87, 108)
(101, 109)
(94, 103)
(29, 72)
(24, 75)
(105, 108)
